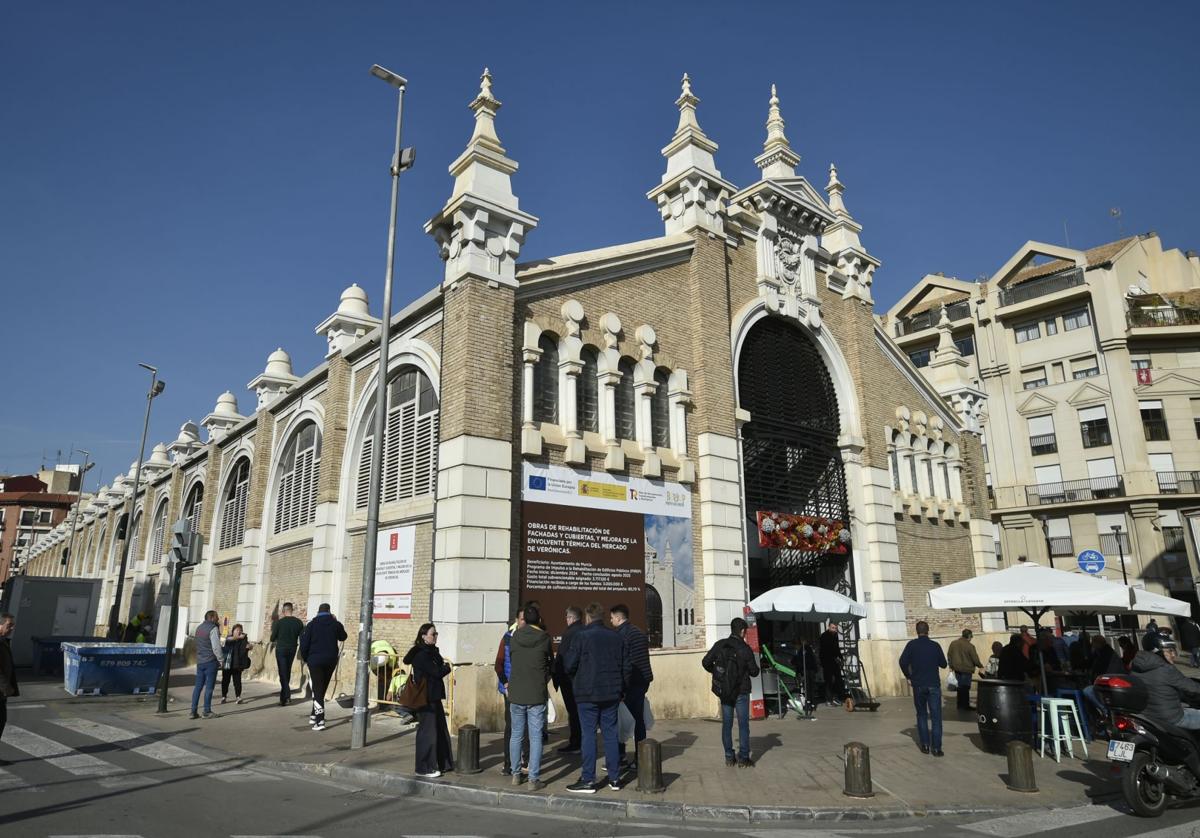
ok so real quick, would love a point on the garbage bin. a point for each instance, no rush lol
(1004, 713)
(107, 668)
(47, 657)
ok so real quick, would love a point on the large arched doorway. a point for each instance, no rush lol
(792, 463)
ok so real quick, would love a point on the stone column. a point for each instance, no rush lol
(253, 576)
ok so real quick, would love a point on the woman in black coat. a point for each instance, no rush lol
(237, 659)
(433, 736)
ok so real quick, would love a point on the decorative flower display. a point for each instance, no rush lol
(780, 530)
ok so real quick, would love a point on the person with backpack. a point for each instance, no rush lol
(732, 664)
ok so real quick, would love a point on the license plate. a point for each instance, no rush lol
(1120, 751)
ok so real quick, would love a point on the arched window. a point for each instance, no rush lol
(193, 509)
(588, 393)
(94, 564)
(626, 423)
(135, 538)
(545, 382)
(299, 470)
(81, 563)
(233, 510)
(660, 411)
(159, 534)
(411, 438)
(654, 617)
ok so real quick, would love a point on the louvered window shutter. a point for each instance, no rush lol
(626, 423)
(660, 411)
(588, 393)
(363, 488)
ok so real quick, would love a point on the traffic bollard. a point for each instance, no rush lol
(649, 756)
(858, 770)
(468, 750)
(1020, 767)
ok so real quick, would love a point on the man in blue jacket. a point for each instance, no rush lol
(599, 670)
(637, 652)
(921, 662)
(319, 649)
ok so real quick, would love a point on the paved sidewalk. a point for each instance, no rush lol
(799, 771)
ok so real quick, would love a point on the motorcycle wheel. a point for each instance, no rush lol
(1145, 796)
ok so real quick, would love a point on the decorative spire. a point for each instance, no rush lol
(692, 190)
(778, 159)
(946, 348)
(480, 230)
(835, 189)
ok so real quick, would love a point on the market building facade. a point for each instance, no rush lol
(677, 423)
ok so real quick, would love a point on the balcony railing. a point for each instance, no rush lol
(929, 318)
(1043, 444)
(1173, 540)
(1061, 545)
(1179, 482)
(1109, 545)
(1152, 317)
(1156, 430)
(1041, 286)
(1096, 488)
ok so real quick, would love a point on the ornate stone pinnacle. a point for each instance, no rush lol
(485, 96)
(834, 189)
(686, 103)
(775, 136)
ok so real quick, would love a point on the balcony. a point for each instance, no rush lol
(1179, 482)
(1142, 318)
(1043, 444)
(1041, 286)
(929, 318)
(1061, 545)
(1110, 546)
(1097, 488)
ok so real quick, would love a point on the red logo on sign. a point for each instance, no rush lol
(1143, 375)
(394, 542)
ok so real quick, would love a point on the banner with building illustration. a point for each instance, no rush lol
(590, 536)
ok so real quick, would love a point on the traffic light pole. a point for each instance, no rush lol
(173, 626)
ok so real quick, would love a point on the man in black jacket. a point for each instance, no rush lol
(829, 650)
(1166, 688)
(8, 671)
(732, 653)
(563, 683)
(598, 669)
(319, 649)
(637, 651)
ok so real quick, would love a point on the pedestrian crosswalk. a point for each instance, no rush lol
(93, 762)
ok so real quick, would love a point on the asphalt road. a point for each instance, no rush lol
(78, 770)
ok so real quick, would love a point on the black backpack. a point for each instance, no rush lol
(727, 675)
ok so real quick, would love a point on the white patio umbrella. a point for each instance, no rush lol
(807, 604)
(1035, 589)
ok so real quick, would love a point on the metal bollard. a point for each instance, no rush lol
(468, 750)
(858, 770)
(649, 755)
(1020, 767)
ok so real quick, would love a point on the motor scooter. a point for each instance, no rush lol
(1161, 761)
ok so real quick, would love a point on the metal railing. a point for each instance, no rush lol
(1109, 545)
(1179, 482)
(1043, 444)
(1061, 545)
(1173, 540)
(1153, 317)
(1097, 488)
(1041, 286)
(929, 318)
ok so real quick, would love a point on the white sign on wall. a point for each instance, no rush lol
(394, 573)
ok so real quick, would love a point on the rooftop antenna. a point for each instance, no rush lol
(1115, 212)
(1066, 235)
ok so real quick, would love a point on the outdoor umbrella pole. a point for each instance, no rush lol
(1036, 616)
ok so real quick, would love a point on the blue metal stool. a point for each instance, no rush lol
(1080, 702)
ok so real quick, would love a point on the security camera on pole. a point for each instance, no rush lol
(186, 547)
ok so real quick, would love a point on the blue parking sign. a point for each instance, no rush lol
(1091, 561)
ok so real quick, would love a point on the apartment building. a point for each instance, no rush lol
(1090, 364)
(31, 507)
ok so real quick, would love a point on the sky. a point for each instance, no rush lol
(193, 185)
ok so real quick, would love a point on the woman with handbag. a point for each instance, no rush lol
(423, 694)
(236, 659)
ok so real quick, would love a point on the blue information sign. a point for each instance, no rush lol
(1091, 561)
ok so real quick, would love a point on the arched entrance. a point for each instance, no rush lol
(792, 465)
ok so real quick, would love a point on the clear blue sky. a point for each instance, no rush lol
(192, 185)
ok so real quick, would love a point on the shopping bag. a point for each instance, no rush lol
(551, 713)
(624, 723)
(951, 682)
(647, 715)
(414, 694)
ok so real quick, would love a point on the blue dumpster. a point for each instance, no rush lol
(107, 668)
(47, 652)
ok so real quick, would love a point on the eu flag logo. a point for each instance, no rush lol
(536, 481)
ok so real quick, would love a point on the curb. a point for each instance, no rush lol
(560, 804)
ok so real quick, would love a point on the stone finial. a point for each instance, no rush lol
(946, 348)
(481, 228)
(350, 322)
(572, 313)
(646, 339)
(834, 189)
(778, 159)
(610, 324)
(274, 380)
(224, 417)
(692, 192)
